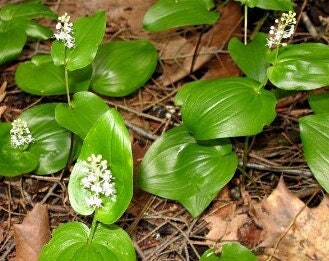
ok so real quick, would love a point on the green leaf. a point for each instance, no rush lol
(284, 5)
(319, 102)
(178, 168)
(87, 108)
(227, 107)
(300, 67)
(110, 138)
(33, 29)
(88, 34)
(70, 242)
(120, 68)
(314, 131)
(11, 44)
(41, 77)
(166, 14)
(230, 252)
(13, 161)
(52, 142)
(249, 3)
(254, 51)
(26, 11)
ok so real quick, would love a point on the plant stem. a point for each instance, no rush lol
(92, 230)
(67, 87)
(245, 23)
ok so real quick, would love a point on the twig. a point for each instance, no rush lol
(284, 170)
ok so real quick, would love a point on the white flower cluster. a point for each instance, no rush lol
(20, 134)
(98, 179)
(65, 31)
(283, 29)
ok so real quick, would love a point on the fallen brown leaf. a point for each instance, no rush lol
(281, 224)
(32, 234)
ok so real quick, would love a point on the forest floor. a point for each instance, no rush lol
(278, 179)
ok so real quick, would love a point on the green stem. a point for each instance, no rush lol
(92, 230)
(245, 23)
(263, 83)
(67, 87)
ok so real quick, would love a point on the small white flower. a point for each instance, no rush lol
(94, 201)
(20, 134)
(98, 180)
(284, 28)
(65, 31)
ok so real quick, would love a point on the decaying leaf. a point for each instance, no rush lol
(281, 224)
(32, 234)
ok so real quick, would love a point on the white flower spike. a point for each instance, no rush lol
(284, 28)
(98, 180)
(20, 135)
(65, 31)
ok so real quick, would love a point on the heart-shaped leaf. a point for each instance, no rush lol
(110, 138)
(41, 77)
(319, 102)
(300, 67)
(177, 167)
(314, 131)
(227, 107)
(88, 34)
(254, 51)
(52, 142)
(166, 14)
(13, 161)
(87, 108)
(120, 68)
(72, 241)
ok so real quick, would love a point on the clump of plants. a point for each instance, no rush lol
(190, 163)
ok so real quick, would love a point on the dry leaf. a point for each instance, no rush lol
(32, 234)
(214, 39)
(282, 220)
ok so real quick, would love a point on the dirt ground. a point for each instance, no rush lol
(162, 229)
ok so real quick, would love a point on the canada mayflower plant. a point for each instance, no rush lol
(65, 31)
(284, 28)
(98, 180)
(20, 135)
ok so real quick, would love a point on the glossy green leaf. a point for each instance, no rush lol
(52, 142)
(88, 34)
(230, 252)
(249, 3)
(70, 242)
(300, 67)
(227, 107)
(254, 51)
(314, 131)
(11, 44)
(284, 5)
(182, 94)
(177, 167)
(87, 108)
(33, 29)
(166, 14)
(120, 68)
(14, 162)
(110, 138)
(319, 102)
(41, 77)
(26, 11)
